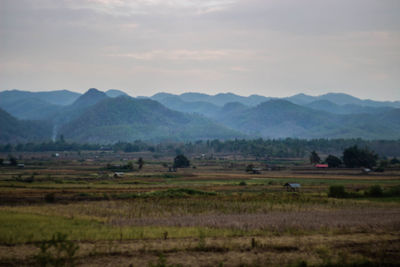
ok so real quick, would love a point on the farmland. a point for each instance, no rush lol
(211, 214)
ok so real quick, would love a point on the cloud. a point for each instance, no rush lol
(183, 54)
(273, 47)
(147, 7)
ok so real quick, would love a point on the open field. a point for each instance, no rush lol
(215, 214)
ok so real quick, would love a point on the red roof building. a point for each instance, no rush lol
(321, 166)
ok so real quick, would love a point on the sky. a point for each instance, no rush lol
(268, 47)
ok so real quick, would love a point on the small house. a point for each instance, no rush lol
(366, 170)
(256, 171)
(118, 174)
(321, 166)
(292, 187)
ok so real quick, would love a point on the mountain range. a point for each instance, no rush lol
(111, 116)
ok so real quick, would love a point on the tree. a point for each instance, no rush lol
(337, 191)
(129, 166)
(375, 191)
(333, 162)
(394, 161)
(181, 161)
(140, 162)
(249, 168)
(353, 157)
(13, 160)
(314, 157)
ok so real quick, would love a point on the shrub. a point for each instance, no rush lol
(249, 168)
(337, 191)
(354, 157)
(314, 158)
(242, 183)
(333, 162)
(375, 191)
(140, 162)
(13, 160)
(57, 251)
(50, 198)
(394, 191)
(394, 161)
(181, 161)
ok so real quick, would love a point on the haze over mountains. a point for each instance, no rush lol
(112, 116)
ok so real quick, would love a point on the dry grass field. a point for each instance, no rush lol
(71, 210)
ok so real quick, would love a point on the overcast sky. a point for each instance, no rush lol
(268, 47)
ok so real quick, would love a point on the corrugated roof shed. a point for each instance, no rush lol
(293, 185)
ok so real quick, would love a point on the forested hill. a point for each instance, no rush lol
(281, 119)
(112, 116)
(13, 130)
(128, 119)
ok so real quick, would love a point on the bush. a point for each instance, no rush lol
(242, 183)
(181, 161)
(337, 191)
(57, 251)
(50, 198)
(375, 191)
(393, 191)
(13, 160)
(314, 157)
(249, 168)
(333, 162)
(394, 161)
(354, 157)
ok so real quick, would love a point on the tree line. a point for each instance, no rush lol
(259, 148)
(355, 157)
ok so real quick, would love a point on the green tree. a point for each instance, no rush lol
(337, 191)
(333, 162)
(181, 161)
(375, 191)
(140, 162)
(314, 158)
(129, 165)
(394, 161)
(13, 160)
(354, 157)
(249, 168)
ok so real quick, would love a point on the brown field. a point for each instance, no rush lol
(212, 215)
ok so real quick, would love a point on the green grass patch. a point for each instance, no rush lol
(18, 227)
(169, 193)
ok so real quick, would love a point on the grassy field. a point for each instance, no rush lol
(71, 210)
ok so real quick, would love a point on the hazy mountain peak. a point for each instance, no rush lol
(161, 96)
(91, 97)
(115, 93)
(93, 91)
(300, 99)
(340, 98)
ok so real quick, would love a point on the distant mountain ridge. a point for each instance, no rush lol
(111, 116)
(217, 100)
(58, 97)
(127, 119)
(210, 105)
(35, 105)
(13, 130)
(280, 119)
(341, 99)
